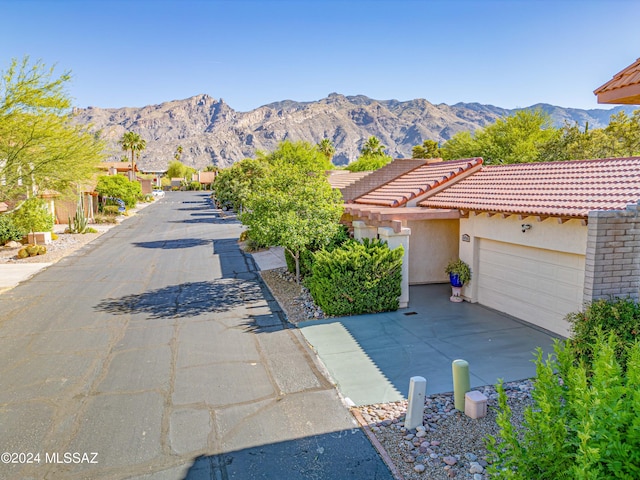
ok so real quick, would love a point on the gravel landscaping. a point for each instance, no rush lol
(450, 445)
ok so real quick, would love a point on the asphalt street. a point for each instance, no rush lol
(155, 352)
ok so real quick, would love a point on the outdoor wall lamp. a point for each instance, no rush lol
(525, 227)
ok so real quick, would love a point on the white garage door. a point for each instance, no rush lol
(536, 285)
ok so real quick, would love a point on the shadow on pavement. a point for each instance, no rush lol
(185, 300)
(173, 244)
(338, 455)
(213, 219)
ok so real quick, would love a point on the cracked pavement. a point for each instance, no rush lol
(158, 348)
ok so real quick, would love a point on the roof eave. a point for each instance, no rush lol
(629, 95)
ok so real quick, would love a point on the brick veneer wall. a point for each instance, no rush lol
(613, 254)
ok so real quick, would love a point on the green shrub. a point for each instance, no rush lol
(119, 186)
(584, 422)
(307, 257)
(33, 216)
(195, 186)
(105, 218)
(111, 210)
(619, 315)
(9, 230)
(357, 278)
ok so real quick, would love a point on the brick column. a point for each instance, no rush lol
(394, 239)
(613, 254)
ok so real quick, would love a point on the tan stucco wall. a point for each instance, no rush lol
(568, 237)
(433, 244)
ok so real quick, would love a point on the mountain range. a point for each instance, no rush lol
(211, 132)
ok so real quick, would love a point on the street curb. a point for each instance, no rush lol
(376, 444)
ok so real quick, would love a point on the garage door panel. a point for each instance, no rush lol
(536, 285)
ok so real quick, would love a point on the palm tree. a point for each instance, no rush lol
(178, 153)
(326, 148)
(373, 146)
(132, 142)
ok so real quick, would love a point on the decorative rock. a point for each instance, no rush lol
(449, 460)
(477, 476)
(421, 434)
(419, 468)
(476, 468)
(471, 457)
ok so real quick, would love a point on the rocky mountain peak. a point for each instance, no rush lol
(211, 132)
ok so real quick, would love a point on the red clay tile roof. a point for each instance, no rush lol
(119, 166)
(417, 182)
(623, 88)
(561, 189)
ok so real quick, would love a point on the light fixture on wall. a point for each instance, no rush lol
(525, 227)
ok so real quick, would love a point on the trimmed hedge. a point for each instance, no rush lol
(357, 278)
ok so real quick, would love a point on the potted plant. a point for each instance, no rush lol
(459, 275)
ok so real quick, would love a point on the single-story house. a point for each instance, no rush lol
(541, 238)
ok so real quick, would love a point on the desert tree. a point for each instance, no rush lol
(428, 149)
(41, 148)
(293, 207)
(301, 154)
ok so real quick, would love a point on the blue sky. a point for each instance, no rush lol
(252, 52)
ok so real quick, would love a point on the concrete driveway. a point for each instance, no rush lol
(372, 357)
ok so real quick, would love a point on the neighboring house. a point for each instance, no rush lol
(205, 179)
(623, 88)
(541, 238)
(157, 175)
(113, 168)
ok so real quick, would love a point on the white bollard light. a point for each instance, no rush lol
(415, 409)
